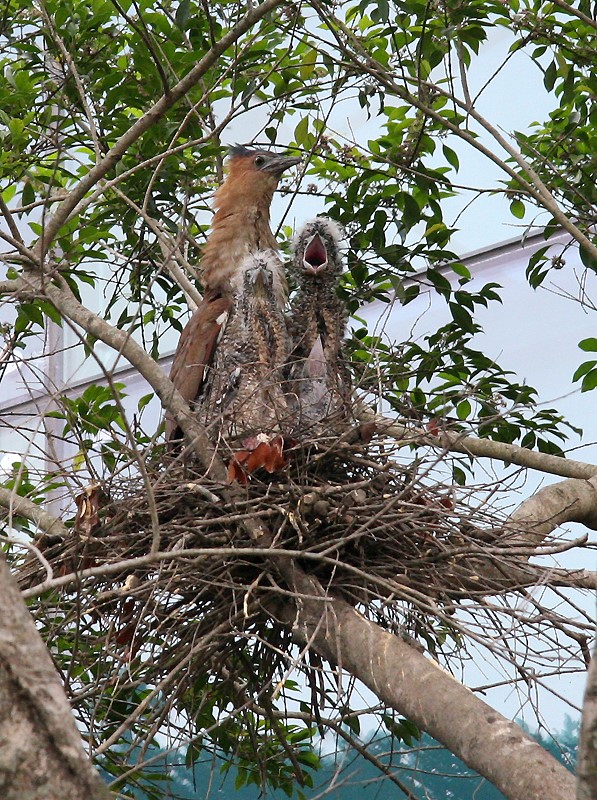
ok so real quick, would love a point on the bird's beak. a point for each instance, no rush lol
(279, 164)
(261, 281)
(315, 257)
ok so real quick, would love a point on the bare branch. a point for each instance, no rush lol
(126, 565)
(27, 256)
(68, 305)
(10, 221)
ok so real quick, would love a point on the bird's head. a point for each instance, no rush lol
(243, 158)
(253, 176)
(259, 277)
(318, 248)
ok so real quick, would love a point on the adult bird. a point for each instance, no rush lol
(318, 379)
(243, 405)
(240, 226)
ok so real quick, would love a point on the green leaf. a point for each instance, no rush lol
(27, 195)
(550, 75)
(441, 284)
(552, 448)
(241, 779)
(583, 369)
(588, 345)
(462, 270)
(308, 63)
(310, 759)
(451, 157)
(590, 381)
(463, 410)
(301, 132)
(145, 400)
(587, 259)
(458, 476)
(183, 13)
(517, 208)
(462, 317)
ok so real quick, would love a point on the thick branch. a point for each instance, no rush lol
(569, 501)
(41, 757)
(417, 687)
(485, 448)
(526, 529)
(513, 454)
(24, 507)
(571, 578)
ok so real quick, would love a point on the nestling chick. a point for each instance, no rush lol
(318, 380)
(244, 400)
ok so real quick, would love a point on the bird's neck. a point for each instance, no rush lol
(238, 229)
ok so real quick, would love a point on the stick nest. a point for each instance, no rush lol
(202, 609)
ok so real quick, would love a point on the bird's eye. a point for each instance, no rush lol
(259, 161)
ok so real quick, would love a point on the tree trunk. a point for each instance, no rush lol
(587, 749)
(41, 754)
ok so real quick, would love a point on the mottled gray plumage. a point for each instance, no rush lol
(318, 379)
(243, 396)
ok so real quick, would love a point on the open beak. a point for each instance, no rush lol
(279, 164)
(315, 257)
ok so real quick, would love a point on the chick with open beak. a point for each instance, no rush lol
(319, 383)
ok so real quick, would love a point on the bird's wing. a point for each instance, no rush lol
(195, 352)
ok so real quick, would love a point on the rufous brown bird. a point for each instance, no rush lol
(239, 227)
(243, 405)
(319, 382)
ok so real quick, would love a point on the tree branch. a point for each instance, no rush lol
(24, 507)
(575, 12)
(568, 501)
(10, 221)
(485, 448)
(576, 578)
(420, 689)
(587, 750)
(572, 500)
